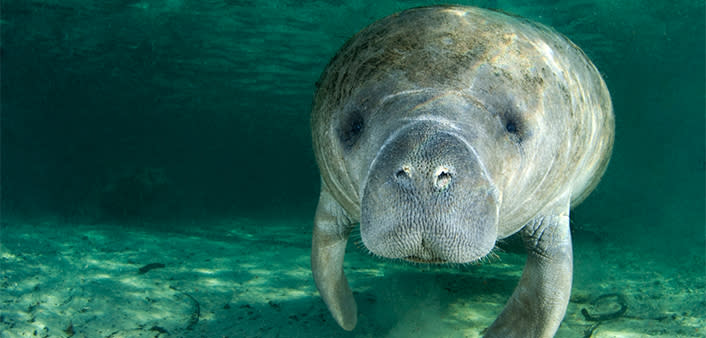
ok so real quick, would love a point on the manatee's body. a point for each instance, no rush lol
(443, 129)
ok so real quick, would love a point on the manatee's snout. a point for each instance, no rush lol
(427, 198)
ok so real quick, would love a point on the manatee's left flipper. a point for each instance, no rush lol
(331, 229)
(539, 302)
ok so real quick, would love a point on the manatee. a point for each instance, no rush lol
(441, 130)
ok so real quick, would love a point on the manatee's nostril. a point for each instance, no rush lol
(442, 177)
(404, 173)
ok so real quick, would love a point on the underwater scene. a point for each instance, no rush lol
(163, 164)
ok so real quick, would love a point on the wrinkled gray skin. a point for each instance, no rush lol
(443, 129)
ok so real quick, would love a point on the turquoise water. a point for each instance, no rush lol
(190, 119)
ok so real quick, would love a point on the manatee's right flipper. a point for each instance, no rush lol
(331, 229)
(539, 302)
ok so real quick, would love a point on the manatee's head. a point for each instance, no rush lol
(428, 199)
(424, 189)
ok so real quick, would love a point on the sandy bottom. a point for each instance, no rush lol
(251, 278)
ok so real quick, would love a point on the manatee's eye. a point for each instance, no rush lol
(515, 126)
(511, 127)
(351, 129)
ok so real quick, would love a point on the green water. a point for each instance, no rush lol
(163, 114)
